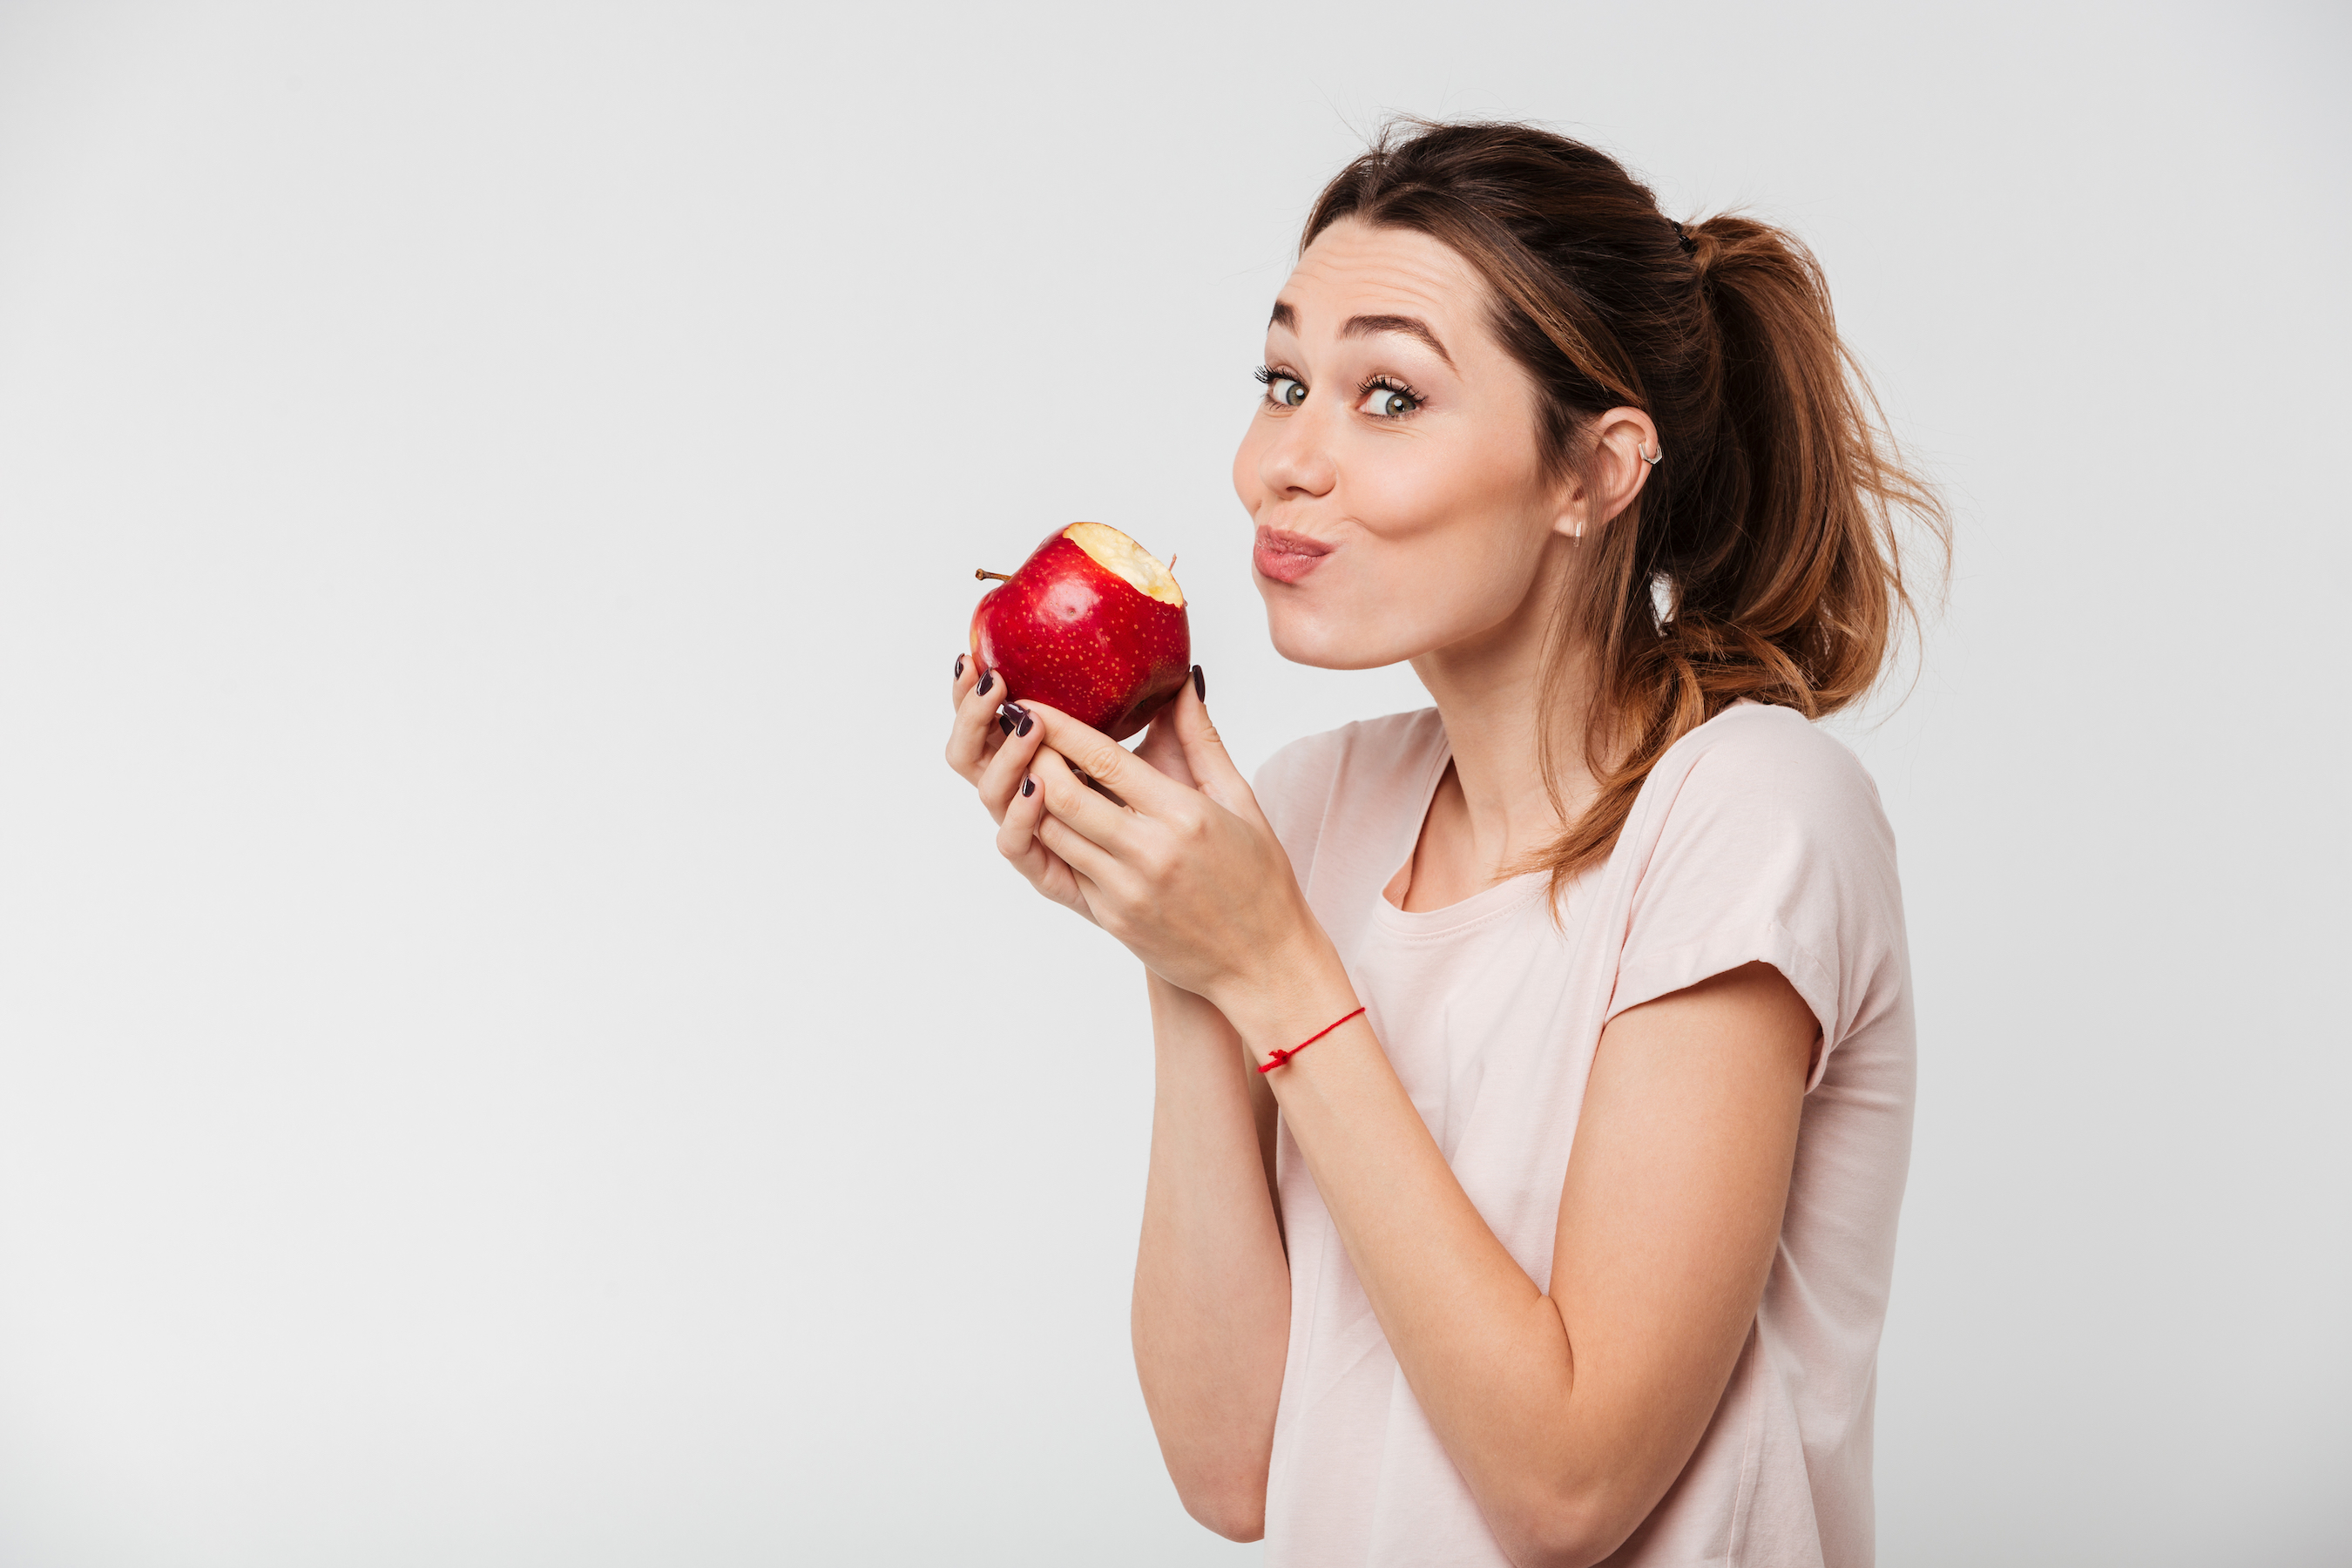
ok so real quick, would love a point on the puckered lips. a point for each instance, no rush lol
(1284, 556)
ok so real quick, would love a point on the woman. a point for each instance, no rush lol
(1572, 1240)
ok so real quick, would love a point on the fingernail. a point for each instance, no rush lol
(959, 674)
(1028, 786)
(988, 683)
(1200, 684)
(1015, 719)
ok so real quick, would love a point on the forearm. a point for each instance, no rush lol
(1211, 1312)
(1484, 1351)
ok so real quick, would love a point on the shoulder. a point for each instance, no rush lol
(1769, 766)
(1760, 835)
(1761, 802)
(1302, 784)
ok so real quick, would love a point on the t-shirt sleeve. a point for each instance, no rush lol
(1771, 845)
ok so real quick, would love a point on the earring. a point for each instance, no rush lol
(1654, 461)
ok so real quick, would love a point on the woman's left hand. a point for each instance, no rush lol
(1192, 880)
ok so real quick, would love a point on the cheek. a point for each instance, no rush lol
(1404, 492)
(1441, 501)
(1459, 527)
(1445, 542)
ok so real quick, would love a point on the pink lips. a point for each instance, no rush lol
(1287, 557)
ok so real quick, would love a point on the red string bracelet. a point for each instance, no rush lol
(1281, 1057)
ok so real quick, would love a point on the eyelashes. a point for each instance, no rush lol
(1384, 393)
(1283, 390)
(1388, 397)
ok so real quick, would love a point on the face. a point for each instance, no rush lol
(1394, 468)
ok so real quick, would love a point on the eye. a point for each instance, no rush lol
(1388, 402)
(1283, 391)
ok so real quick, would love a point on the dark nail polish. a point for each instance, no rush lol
(959, 674)
(1015, 719)
(1200, 684)
(1028, 786)
(988, 683)
(1005, 722)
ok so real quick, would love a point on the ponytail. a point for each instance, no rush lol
(1762, 558)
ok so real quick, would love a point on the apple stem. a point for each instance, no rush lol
(1171, 564)
(985, 573)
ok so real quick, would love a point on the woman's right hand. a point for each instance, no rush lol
(997, 764)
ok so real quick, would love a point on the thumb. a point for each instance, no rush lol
(1204, 753)
(1163, 751)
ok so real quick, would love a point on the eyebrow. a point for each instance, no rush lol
(1365, 326)
(1410, 326)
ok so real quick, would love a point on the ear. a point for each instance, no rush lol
(1624, 443)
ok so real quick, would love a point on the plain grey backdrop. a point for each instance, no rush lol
(515, 1050)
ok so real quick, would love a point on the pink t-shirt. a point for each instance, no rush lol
(1756, 837)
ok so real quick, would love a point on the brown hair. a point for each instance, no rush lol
(1769, 527)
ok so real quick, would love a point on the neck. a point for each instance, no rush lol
(1489, 692)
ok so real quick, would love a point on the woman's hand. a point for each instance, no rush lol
(997, 760)
(1192, 880)
(1163, 748)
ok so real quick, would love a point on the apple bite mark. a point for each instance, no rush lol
(1115, 552)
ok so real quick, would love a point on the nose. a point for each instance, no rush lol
(1296, 464)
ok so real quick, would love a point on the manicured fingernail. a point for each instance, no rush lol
(1015, 719)
(1028, 786)
(988, 683)
(959, 674)
(1200, 684)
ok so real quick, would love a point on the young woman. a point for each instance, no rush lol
(1572, 1240)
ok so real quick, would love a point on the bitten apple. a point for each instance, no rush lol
(1091, 623)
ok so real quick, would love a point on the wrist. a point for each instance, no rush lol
(1287, 998)
(1192, 1013)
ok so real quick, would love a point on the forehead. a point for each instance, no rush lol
(1356, 270)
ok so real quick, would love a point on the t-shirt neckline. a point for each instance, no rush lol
(1479, 906)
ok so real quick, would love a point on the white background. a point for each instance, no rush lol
(515, 1049)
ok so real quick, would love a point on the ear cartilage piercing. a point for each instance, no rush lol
(1654, 459)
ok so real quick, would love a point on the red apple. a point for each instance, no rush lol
(1092, 623)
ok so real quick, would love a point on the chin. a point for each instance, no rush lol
(1328, 641)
